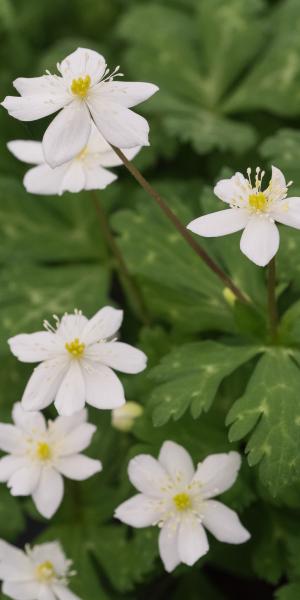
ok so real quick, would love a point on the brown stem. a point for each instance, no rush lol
(125, 276)
(179, 226)
(272, 307)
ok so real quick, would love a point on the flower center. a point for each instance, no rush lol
(182, 501)
(76, 348)
(258, 201)
(82, 154)
(43, 451)
(80, 86)
(45, 571)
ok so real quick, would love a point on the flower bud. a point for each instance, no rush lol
(123, 417)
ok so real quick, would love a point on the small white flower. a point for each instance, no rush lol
(123, 418)
(178, 499)
(39, 573)
(85, 172)
(254, 210)
(77, 357)
(40, 454)
(86, 91)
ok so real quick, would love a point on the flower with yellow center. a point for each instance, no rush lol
(76, 348)
(44, 454)
(254, 209)
(41, 571)
(178, 498)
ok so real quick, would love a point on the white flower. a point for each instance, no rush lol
(123, 418)
(39, 573)
(77, 358)
(40, 453)
(85, 172)
(253, 210)
(178, 499)
(86, 91)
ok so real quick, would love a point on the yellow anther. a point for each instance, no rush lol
(258, 201)
(76, 348)
(83, 153)
(182, 501)
(45, 571)
(43, 451)
(80, 86)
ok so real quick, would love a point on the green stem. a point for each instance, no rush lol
(125, 277)
(272, 307)
(179, 226)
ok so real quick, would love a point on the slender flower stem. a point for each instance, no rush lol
(179, 226)
(272, 307)
(125, 276)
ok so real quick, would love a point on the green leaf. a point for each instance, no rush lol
(178, 285)
(190, 377)
(291, 591)
(12, 521)
(31, 294)
(270, 408)
(189, 105)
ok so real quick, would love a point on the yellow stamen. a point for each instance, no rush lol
(83, 153)
(43, 451)
(76, 348)
(258, 201)
(80, 86)
(45, 571)
(182, 501)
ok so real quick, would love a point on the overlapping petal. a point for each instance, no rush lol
(260, 240)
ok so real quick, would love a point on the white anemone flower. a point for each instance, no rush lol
(41, 453)
(179, 500)
(77, 357)
(38, 573)
(85, 172)
(253, 209)
(85, 90)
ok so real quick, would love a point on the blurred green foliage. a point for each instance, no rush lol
(229, 77)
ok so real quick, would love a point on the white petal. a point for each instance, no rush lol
(78, 466)
(168, 542)
(288, 212)
(67, 134)
(27, 151)
(50, 551)
(147, 475)
(119, 356)
(103, 388)
(74, 177)
(139, 511)
(45, 593)
(236, 189)
(120, 126)
(260, 240)
(77, 440)
(99, 148)
(97, 178)
(217, 473)
(223, 523)
(49, 87)
(277, 184)
(126, 93)
(28, 421)
(104, 324)
(35, 347)
(44, 383)
(219, 223)
(177, 462)
(31, 108)
(192, 541)
(83, 62)
(72, 326)
(62, 426)
(9, 465)
(63, 593)
(25, 480)
(11, 439)
(24, 590)
(49, 493)
(70, 396)
(14, 563)
(44, 181)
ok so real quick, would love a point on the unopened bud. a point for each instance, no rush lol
(229, 296)
(123, 417)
